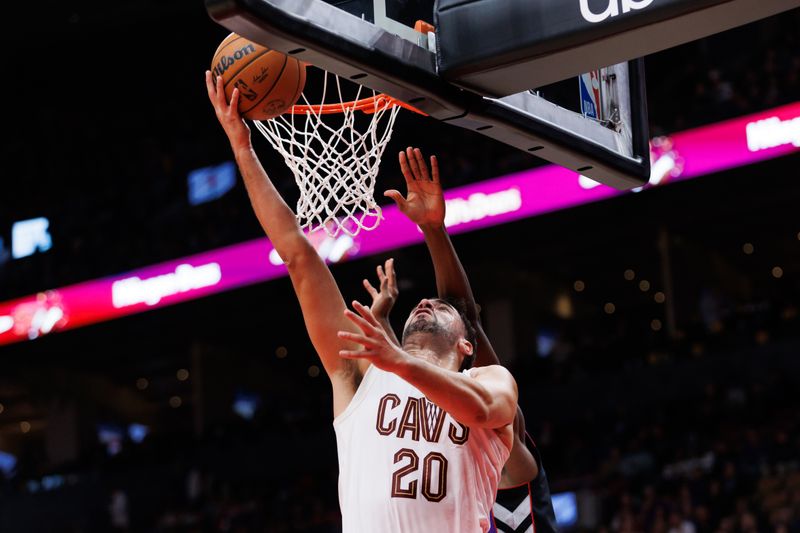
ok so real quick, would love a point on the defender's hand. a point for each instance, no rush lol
(235, 127)
(383, 301)
(378, 347)
(424, 203)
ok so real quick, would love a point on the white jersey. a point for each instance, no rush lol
(406, 466)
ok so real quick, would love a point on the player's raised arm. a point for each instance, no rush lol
(424, 205)
(384, 297)
(319, 296)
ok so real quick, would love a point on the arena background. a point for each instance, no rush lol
(654, 335)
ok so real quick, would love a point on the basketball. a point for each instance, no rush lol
(269, 81)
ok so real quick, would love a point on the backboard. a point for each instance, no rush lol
(488, 64)
(373, 42)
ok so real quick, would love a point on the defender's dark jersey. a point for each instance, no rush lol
(526, 508)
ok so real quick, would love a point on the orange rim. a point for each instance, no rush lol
(365, 105)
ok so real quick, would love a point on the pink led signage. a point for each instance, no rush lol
(681, 156)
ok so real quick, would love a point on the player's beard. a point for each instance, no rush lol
(430, 327)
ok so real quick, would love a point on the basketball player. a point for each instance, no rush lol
(421, 445)
(523, 501)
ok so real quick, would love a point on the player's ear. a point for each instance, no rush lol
(465, 347)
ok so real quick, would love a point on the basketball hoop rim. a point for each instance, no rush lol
(335, 161)
(365, 105)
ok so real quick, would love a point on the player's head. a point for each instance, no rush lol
(443, 322)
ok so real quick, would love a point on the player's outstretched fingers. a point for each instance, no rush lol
(234, 106)
(397, 196)
(391, 278)
(357, 338)
(357, 354)
(370, 289)
(366, 313)
(213, 95)
(362, 323)
(212, 91)
(413, 163)
(220, 93)
(435, 169)
(405, 168)
(421, 165)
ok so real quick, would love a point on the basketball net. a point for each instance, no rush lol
(335, 166)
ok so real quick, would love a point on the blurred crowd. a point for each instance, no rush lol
(720, 455)
(732, 74)
(707, 442)
(723, 462)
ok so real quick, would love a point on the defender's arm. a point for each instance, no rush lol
(425, 206)
(451, 280)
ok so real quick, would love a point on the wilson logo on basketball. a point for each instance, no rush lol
(226, 62)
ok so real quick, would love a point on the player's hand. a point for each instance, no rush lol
(424, 202)
(236, 129)
(379, 349)
(383, 300)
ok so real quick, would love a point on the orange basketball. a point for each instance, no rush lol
(269, 82)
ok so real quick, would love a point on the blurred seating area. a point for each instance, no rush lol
(739, 72)
(712, 447)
